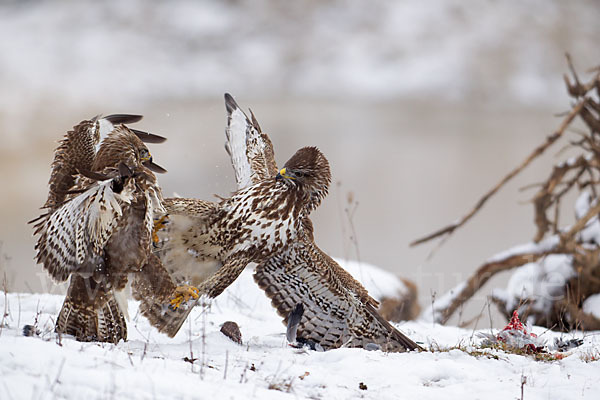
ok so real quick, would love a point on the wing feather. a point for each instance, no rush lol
(250, 149)
(335, 314)
(73, 237)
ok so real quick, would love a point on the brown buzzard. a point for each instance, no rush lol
(98, 226)
(267, 222)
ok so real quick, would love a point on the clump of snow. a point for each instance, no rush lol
(582, 204)
(541, 283)
(591, 305)
(591, 232)
(379, 283)
(544, 245)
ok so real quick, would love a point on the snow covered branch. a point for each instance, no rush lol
(560, 269)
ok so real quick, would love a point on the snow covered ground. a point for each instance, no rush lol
(152, 366)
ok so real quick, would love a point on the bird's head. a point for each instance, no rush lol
(308, 171)
(122, 145)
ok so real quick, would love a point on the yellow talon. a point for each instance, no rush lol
(158, 225)
(183, 294)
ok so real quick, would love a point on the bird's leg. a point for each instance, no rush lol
(158, 225)
(213, 286)
(183, 294)
(220, 280)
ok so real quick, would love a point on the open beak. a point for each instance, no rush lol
(154, 167)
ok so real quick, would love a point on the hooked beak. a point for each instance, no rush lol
(282, 174)
(154, 167)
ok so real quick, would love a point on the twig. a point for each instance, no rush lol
(5, 313)
(483, 274)
(192, 359)
(580, 224)
(56, 380)
(204, 311)
(544, 197)
(475, 324)
(19, 316)
(433, 307)
(537, 152)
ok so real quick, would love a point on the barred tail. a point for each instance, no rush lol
(163, 318)
(91, 313)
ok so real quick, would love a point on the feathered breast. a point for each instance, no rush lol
(264, 216)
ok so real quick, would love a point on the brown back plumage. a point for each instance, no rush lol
(76, 151)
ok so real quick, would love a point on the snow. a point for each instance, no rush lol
(591, 305)
(378, 282)
(544, 245)
(582, 204)
(150, 365)
(433, 313)
(591, 232)
(542, 282)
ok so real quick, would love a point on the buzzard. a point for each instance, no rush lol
(267, 222)
(102, 200)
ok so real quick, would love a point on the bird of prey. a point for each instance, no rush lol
(102, 202)
(267, 222)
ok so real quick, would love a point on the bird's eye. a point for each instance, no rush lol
(144, 154)
(299, 174)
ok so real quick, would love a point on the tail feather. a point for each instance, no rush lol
(153, 288)
(391, 338)
(91, 315)
(334, 316)
(163, 318)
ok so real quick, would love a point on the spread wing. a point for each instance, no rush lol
(250, 149)
(72, 238)
(75, 151)
(337, 310)
(183, 247)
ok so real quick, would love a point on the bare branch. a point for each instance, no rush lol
(537, 152)
(483, 274)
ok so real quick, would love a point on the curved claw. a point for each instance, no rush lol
(158, 225)
(183, 294)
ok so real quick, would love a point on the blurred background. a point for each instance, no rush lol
(420, 107)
